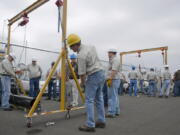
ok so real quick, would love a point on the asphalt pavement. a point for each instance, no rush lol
(139, 116)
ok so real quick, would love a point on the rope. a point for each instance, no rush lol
(15, 28)
(24, 42)
(59, 18)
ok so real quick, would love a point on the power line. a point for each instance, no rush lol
(32, 48)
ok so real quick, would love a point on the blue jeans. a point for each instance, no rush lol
(177, 88)
(120, 89)
(6, 87)
(133, 85)
(113, 98)
(93, 93)
(105, 94)
(166, 86)
(34, 87)
(141, 86)
(0, 89)
(52, 88)
(152, 88)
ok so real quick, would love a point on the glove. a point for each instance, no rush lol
(109, 82)
(83, 87)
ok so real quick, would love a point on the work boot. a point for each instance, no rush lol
(87, 129)
(160, 96)
(7, 109)
(166, 96)
(48, 98)
(100, 125)
(110, 116)
(58, 100)
(54, 99)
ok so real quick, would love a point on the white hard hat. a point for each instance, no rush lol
(143, 70)
(112, 50)
(166, 66)
(12, 55)
(34, 59)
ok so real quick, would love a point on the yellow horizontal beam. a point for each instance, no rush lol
(56, 111)
(2, 55)
(28, 10)
(144, 50)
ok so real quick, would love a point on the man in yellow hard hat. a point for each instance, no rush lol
(92, 77)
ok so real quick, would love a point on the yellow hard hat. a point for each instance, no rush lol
(73, 39)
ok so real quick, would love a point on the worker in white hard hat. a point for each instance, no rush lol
(6, 72)
(35, 73)
(92, 78)
(152, 79)
(133, 76)
(166, 76)
(52, 83)
(142, 75)
(113, 82)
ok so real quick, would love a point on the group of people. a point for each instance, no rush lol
(71, 88)
(152, 83)
(7, 72)
(92, 78)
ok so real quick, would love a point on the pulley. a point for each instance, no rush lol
(139, 54)
(24, 21)
(59, 4)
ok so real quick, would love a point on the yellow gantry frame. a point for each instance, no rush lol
(165, 48)
(28, 10)
(62, 56)
(11, 21)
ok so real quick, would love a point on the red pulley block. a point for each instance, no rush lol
(25, 20)
(139, 54)
(162, 52)
(59, 3)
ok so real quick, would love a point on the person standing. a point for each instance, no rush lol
(142, 78)
(92, 78)
(122, 81)
(1, 59)
(152, 79)
(75, 93)
(133, 76)
(176, 80)
(6, 73)
(35, 73)
(52, 83)
(166, 76)
(113, 80)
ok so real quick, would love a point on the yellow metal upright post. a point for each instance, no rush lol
(64, 55)
(166, 57)
(9, 39)
(121, 61)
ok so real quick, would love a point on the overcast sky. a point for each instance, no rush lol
(122, 24)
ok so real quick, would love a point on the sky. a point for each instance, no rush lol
(121, 24)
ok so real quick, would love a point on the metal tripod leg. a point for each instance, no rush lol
(76, 80)
(30, 114)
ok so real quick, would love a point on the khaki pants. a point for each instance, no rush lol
(75, 92)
